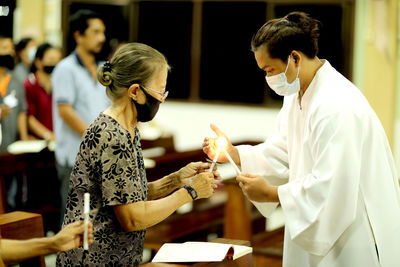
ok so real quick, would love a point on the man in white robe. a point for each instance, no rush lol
(330, 167)
(342, 200)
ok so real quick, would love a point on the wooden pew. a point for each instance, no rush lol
(10, 164)
(227, 211)
(33, 170)
(218, 214)
(23, 225)
(205, 217)
(33, 165)
(165, 141)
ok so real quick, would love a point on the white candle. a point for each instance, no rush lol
(231, 161)
(86, 210)
(215, 159)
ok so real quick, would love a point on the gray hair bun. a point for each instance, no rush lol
(104, 74)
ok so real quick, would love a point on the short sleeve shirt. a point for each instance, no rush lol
(9, 124)
(38, 101)
(72, 84)
(109, 166)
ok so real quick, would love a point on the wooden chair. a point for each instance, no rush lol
(23, 225)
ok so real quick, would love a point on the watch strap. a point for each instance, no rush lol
(191, 191)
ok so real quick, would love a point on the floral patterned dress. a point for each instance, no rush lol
(109, 165)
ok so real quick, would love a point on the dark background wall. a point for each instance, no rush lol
(207, 43)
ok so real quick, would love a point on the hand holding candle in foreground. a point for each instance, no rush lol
(210, 147)
(70, 237)
(257, 188)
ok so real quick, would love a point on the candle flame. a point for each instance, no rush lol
(221, 142)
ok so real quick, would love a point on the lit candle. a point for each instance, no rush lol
(215, 159)
(231, 161)
(86, 209)
(221, 143)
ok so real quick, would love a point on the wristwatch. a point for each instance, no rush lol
(191, 191)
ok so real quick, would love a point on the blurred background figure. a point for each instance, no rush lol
(13, 107)
(25, 52)
(38, 91)
(78, 97)
(12, 98)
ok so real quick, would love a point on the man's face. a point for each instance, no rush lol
(273, 66)
(6, 47)
(93, 38)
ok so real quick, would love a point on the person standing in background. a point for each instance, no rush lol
(25, 50)
(78, 97)
(38, 91)
(12, 97)
(13, 109)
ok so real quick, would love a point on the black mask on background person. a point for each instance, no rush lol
(148, 110)
(7, 61)
(48, 69)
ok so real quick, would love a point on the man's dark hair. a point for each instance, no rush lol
(295, 31)
(79, 21)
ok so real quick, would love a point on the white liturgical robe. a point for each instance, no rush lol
(338, 186)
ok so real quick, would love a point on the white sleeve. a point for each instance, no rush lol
(321, 205)
(270, 160)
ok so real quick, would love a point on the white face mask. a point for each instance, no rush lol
(279, 83)
(32, 53)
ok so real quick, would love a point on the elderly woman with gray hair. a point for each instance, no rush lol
(110, 165)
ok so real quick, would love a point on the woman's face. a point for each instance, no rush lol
(50, 58)
(26, 54)
(6, 46)
(273, 66)
(158, 84)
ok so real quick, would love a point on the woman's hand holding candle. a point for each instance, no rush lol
(186, 174)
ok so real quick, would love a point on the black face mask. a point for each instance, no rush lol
(48, 69)
(7, 61)
(148, 110)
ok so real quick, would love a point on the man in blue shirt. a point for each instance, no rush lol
(78, 97)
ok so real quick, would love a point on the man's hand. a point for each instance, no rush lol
(257, 188)
(210, 146)
(71, 236)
